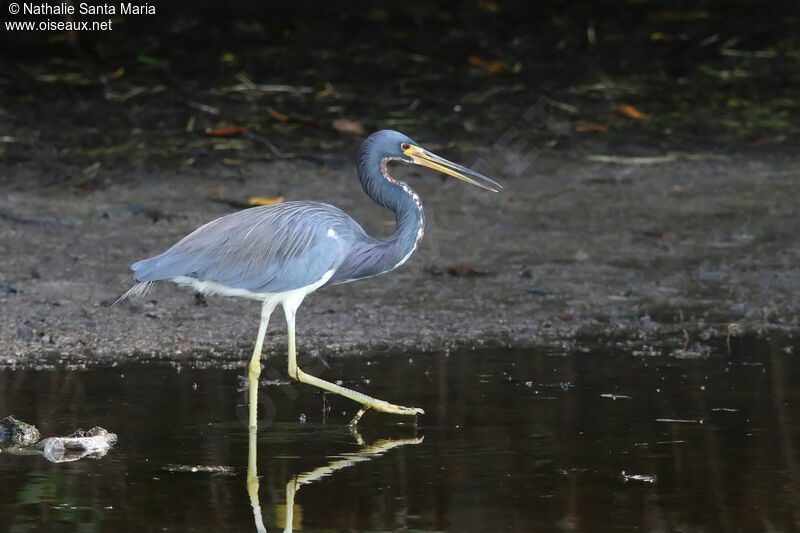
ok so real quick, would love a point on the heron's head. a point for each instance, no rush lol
(395, 145)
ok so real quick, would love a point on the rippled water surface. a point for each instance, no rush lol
(587, 440)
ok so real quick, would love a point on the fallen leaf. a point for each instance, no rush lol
(265, 200)
(661, 36)
(502, 67)
(70, 78)
(329, 90)
(463, 270)
(590, 126)
(342, 125)
(226, 131)
(117, 74)
(489, 7)
(495, 67)
(236, 204)
(277, 115)
(631, 112)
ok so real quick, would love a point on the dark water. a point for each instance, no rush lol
(512, 441)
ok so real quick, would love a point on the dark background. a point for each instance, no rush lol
(705, 75)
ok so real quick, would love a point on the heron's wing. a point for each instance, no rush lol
(263, 249)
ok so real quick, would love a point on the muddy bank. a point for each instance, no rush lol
(649, 157)
(572, 247)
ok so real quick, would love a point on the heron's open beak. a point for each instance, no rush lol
(427, 159)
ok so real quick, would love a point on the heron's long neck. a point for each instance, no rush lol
(400, 198)
(409, 217)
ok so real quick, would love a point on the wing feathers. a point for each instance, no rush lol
(262, 249)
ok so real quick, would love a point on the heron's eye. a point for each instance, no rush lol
(405, 146)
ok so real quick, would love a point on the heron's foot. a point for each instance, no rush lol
(385, 407)
(367, 401)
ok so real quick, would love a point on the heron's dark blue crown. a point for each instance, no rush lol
(375, 152)
(386, 144)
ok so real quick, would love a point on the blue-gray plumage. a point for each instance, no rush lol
(266, 249)
(280, 253)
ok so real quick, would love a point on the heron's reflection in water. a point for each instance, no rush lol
(366, 453)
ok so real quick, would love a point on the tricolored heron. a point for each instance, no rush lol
(278, 254)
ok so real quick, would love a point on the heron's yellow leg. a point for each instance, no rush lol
(255, 362)
(367, 401)
(252, 481)
(291, 489)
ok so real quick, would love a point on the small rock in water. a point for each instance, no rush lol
(16, 433)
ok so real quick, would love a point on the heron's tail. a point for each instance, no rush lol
(137, 291)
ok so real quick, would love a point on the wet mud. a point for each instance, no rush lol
(649, 164)
(570, 249)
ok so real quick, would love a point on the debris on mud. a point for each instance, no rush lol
(460, 270)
